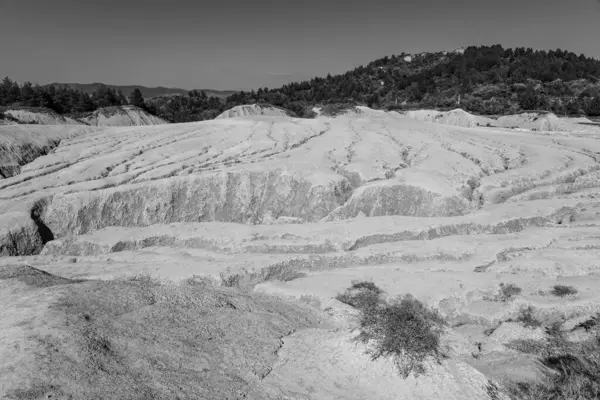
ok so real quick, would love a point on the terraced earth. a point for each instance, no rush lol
(277, 215)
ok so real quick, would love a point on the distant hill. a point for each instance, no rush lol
(147, 92)
(484, 80)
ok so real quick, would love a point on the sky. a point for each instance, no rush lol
(247, 44)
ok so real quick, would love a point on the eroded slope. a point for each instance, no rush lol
(300, 208)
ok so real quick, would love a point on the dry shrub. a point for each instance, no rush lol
(527, 318)
(404, 329)
(508, 292)
(572, 372)
(562, 290)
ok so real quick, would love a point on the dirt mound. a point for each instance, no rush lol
(254, 110)
(533, 121)
(40, 116)
(457, 117)
(122, 116)
(31, 276)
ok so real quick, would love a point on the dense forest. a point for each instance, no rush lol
(62, 99)
(485, 80)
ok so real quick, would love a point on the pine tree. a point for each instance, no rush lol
(593, 109)
(27, 94)
(136, 99)
(84, 103)
(121, 98)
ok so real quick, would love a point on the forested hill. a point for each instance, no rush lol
(483, 80)
(488, 80)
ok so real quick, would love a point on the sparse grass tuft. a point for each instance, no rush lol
(234, 280)
(527, 318)
(491, 330)
(562, 290)
(404, 329)
(590, 324)
(508, 292)
(572, 371)
(493, 391)
(140, 338)
(361, 295)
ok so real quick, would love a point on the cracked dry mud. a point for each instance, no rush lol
(291, 211)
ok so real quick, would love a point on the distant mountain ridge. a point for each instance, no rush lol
(147, 92)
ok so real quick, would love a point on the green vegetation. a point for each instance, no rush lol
(562, 291)
(61, 99)
(508, 292)
(571, 370)
(136, 99)
(527, 318)
(590, 324)
(484, 80)
(404, 328)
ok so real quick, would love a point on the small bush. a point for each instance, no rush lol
(572, 372)
(361, 295)
(234, 280)
(562, 291)
(404, 329)
(589, 324)
(490, 331)
(527, 318)
(507, 292)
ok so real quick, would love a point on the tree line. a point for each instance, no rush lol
(487, 80)
(64, 99)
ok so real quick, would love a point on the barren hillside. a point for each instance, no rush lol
(239, 212)
(39, 116)
(122, 116)
(254, 110)
(21, 144)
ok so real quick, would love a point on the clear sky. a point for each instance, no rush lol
(242, 44)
